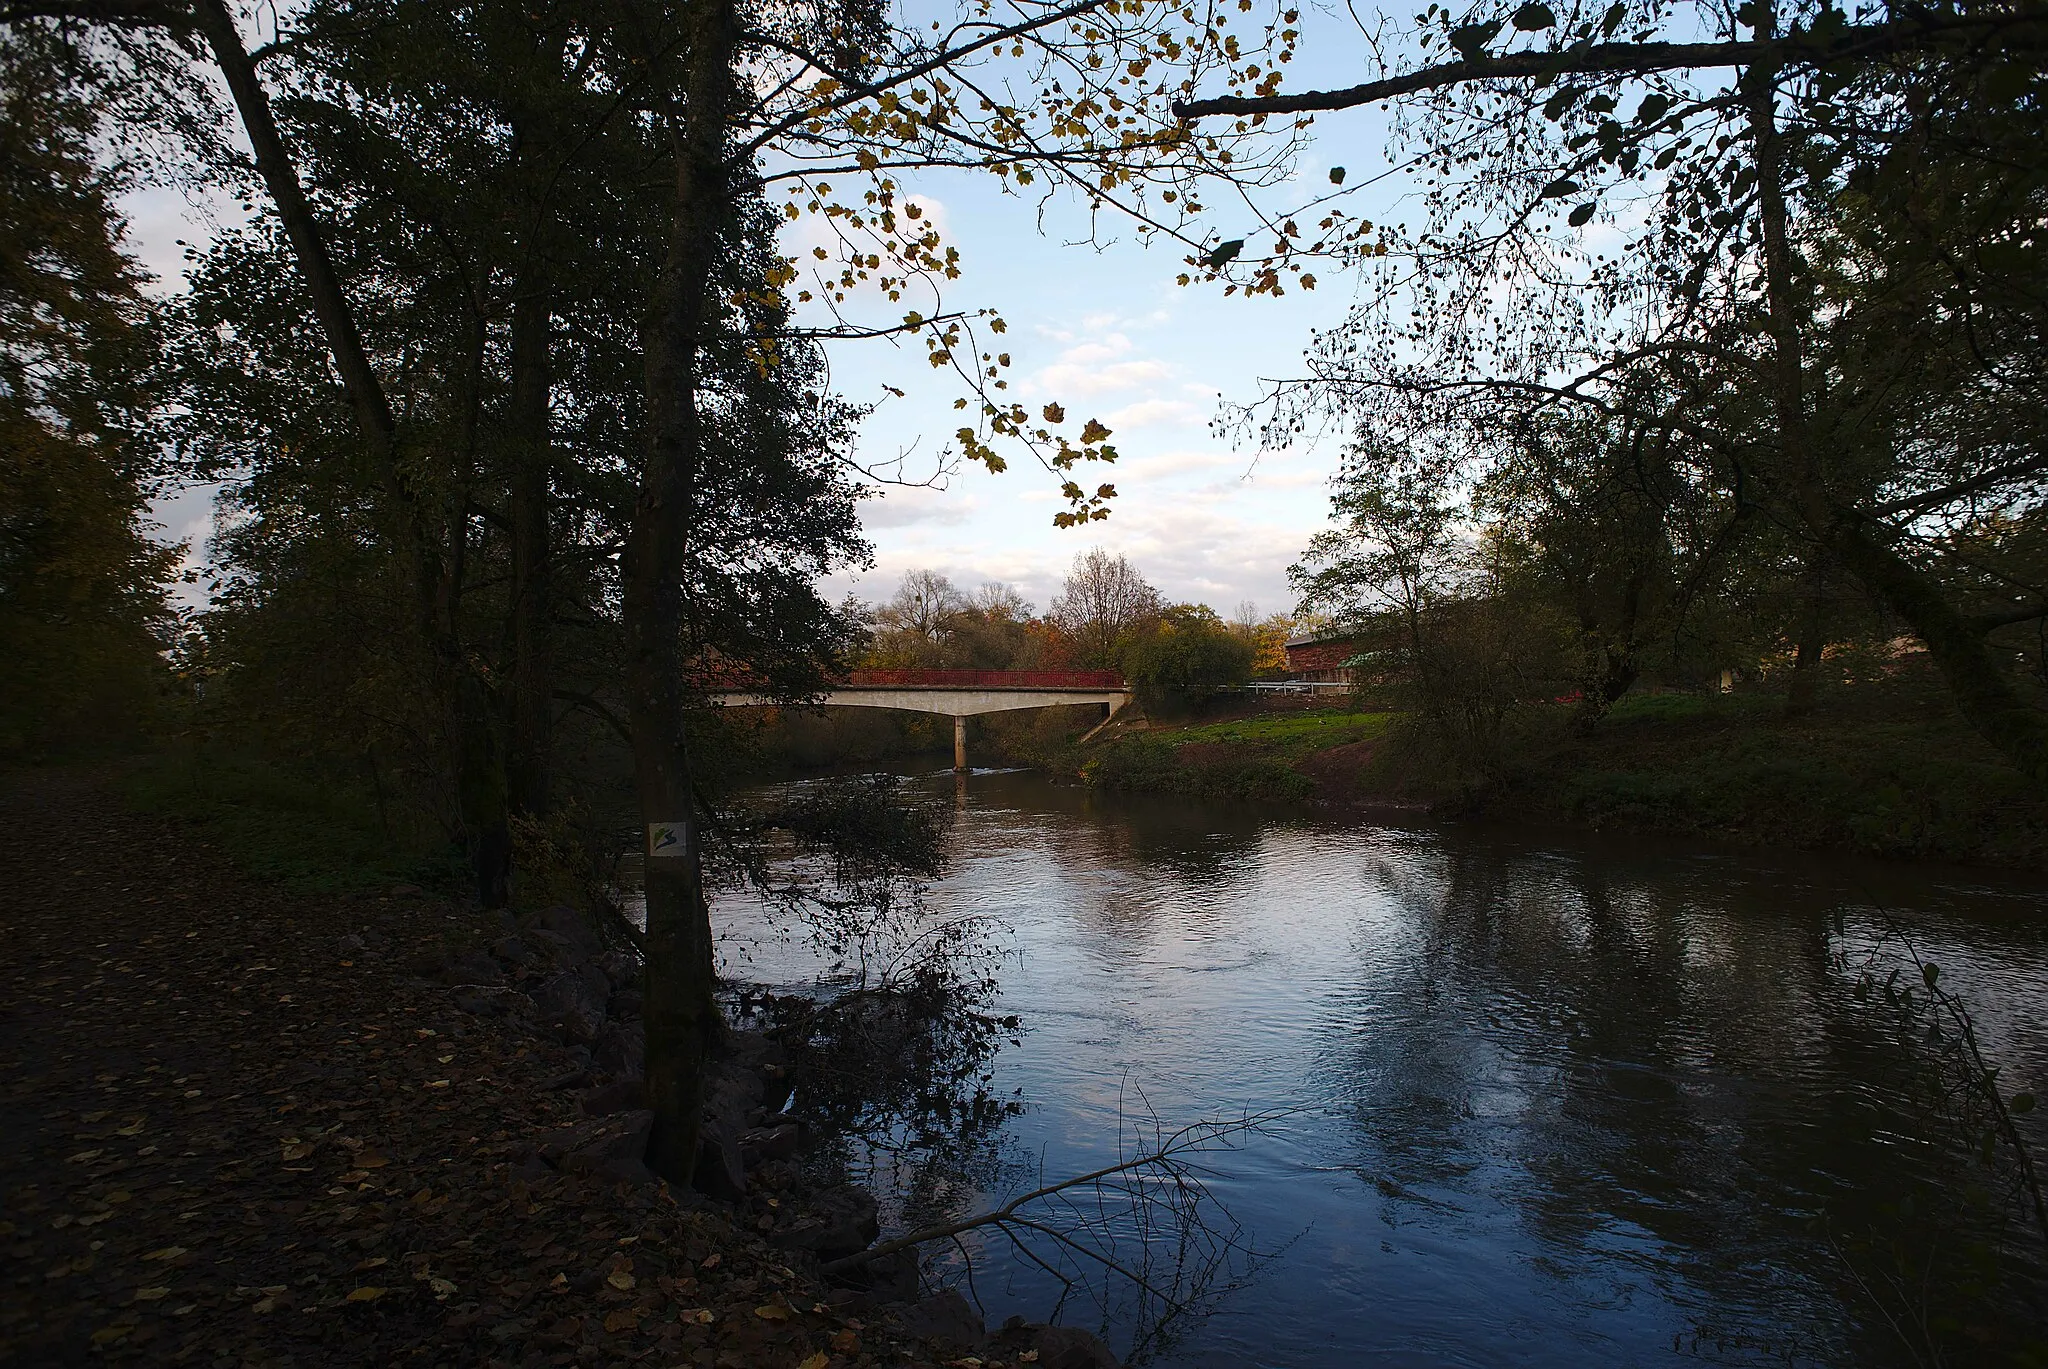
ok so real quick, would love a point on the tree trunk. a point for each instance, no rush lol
(1982, 689)
(435, 582)
(1811, 644)
(681, 1015)
(532, 663)
(302, 231)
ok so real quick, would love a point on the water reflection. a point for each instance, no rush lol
(1564, 1100)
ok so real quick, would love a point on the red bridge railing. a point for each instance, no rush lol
(985, 679)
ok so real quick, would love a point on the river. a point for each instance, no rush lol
(1548, 1098)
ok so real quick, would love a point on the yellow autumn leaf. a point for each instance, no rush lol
(370, 1159)
(817, 1359)
(366, 1295)
(134, 1128)
(772, 1312)
(169, 1252)
(621, 1280)
(298, 1152)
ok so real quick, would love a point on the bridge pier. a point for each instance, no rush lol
(960, 742)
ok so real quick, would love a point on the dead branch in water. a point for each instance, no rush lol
(1147, 1219)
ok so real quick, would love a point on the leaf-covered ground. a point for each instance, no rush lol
(231, 1142)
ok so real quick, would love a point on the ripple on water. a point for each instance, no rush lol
(1552, 1101)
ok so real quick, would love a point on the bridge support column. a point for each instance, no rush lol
(960, 742)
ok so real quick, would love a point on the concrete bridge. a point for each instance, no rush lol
(962, 694)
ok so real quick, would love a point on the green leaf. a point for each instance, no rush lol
(1471, 39)
(1581, 214)
(1535, 16)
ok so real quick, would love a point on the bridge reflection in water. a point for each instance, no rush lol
(962, 694)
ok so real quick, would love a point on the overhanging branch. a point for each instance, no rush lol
(1854, 43)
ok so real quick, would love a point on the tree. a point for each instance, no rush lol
(83, 617)
(1267, 636)
(996, 600)
(1102, 600)
(1404, 571)
(1184, 657)
(1738, 155)
(742, 99)
(922, 606)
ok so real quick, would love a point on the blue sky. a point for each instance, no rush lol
(1106, 331)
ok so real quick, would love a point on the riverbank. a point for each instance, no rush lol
(258, 1125)
(1892, 773)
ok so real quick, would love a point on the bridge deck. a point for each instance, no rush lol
(962, 694)
(1092, 680)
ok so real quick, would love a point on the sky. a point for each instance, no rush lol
(1104, 330)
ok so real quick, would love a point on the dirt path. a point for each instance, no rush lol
(230, 1141)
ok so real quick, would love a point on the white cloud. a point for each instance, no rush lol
(1101, 365)
(1155, 413)
(905, 507)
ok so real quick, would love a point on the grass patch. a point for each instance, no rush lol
(1289, 735)
(1927, 789)
(1150, 765)
(310, 835)
(1244, 760)
(1885, 769)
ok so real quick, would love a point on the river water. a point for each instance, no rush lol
(1549, 1099)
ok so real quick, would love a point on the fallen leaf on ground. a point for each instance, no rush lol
(370, 1159)
(621, 1320)
(816, 1360)
(150, 1294)
(366, 1295)
(169, 1252)
(621, 1280)
(772, 1312)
